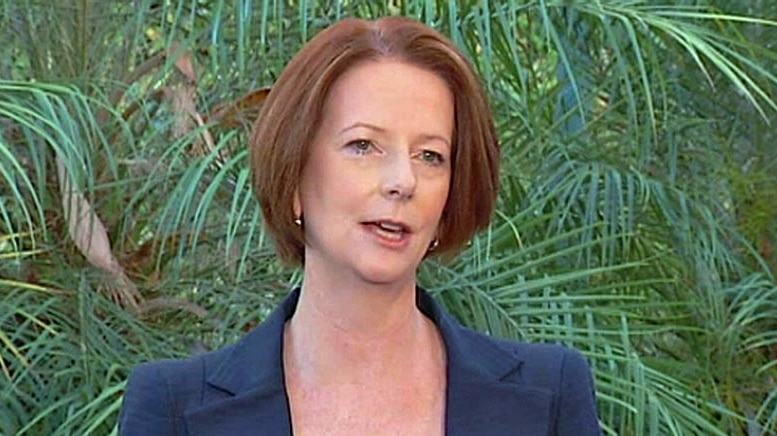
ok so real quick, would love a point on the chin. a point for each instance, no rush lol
(382, 275)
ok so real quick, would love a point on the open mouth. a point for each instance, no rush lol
(389, 230)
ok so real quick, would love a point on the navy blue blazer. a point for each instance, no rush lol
(495, 387)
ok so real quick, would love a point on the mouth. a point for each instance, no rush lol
(390, 230)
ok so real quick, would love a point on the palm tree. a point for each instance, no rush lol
(634, 221)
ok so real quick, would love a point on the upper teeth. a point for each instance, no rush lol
(391, 227)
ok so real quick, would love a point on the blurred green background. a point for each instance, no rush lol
(636, 221)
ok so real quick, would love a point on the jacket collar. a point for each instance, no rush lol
(485, 393)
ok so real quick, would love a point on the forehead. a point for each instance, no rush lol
(393, 94)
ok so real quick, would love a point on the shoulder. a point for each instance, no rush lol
(562, 371)
(158, 393)
(177, 374)
(542, 365)
(549, 364)
(533, 365)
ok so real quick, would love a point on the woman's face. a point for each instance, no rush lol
(377, 178)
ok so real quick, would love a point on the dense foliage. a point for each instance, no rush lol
(636, 219)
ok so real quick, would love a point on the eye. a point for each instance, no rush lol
(432, 157)
(360, 146)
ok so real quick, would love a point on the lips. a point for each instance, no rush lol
(388, 230)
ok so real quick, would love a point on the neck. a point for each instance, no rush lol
(343, 333)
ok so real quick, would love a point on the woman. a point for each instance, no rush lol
(375, 149)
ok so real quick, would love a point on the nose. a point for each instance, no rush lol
(399, 178)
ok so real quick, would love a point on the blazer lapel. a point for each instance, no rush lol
(248, 384)
(486, 395)
(259, 411)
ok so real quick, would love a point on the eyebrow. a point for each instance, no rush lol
(364, 125)
(425, 137)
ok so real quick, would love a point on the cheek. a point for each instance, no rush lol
(315, 186)
(329, 195)
(439, 199)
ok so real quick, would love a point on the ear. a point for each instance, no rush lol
(296, 204)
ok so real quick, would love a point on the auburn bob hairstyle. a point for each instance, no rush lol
(292, 113)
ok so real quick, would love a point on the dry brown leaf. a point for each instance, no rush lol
(240, 112)
(88, 233)
(182, 99)
(183, 61)
(209, 142)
